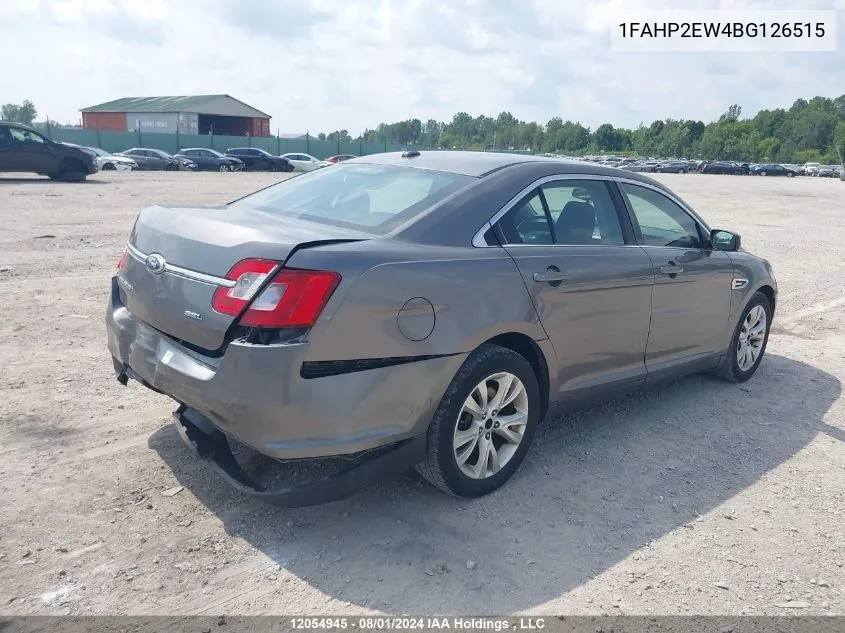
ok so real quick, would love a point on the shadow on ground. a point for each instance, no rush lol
(596, 487)
(35, 180)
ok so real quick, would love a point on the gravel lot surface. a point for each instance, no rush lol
(702, 497)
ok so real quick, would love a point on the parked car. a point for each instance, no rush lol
(339, 158)
(674, 167)
(724, 167)
(639, 167)
(255, 159)
(799, 170)
(152, 159)
(294, 320)
(812, 169)
(107, 161)
(210, 159)
(24, 150)
(771, 170)
(828, 171)
(305, 162)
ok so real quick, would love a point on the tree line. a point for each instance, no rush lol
(809, 131)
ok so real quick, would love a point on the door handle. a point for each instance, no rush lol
(550, 276)
(671, 269)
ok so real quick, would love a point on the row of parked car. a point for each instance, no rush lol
(684, 165)
(205, 159)
(24, 149)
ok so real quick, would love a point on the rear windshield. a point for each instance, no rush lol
(373, 198)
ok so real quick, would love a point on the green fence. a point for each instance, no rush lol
(118, 141)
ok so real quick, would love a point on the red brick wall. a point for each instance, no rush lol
(106, 121)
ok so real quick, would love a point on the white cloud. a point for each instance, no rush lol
(331, 64)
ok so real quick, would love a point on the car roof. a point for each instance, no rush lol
(466, 163)
(20, 125)
(190, 149)
(479, 164)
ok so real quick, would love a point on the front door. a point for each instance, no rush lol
(692, 287)
(590, 286)
(34, 152)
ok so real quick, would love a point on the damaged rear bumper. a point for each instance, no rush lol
(211, 444)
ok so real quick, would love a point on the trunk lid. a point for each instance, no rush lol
(200, 246)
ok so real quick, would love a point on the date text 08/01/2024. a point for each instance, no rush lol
(723, 29)
(387, 623)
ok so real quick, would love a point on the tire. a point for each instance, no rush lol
(681, 171)
(109, 167)
(171, 168)
(730, 369)
(223, 168)
(790, 174)
(71, 170)
(289, 168)
(762, 173)
(441, 467)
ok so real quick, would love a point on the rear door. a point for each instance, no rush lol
(140, 157)
(203, 159)
(591, 286)
(692, 287)
(257, 159)
(209, 160)
(8, 152)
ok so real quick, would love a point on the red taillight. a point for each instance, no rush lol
(294, 298)
(121, 263)
(248, 275)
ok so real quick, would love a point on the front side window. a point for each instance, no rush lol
(372, 198)
(662, 222)
(25, 136)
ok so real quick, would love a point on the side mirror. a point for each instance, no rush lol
(724, 240)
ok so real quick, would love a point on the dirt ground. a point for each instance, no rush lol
(702, 497)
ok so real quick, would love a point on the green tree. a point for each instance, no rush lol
(839, 141)
(24, 113)
(810, 127)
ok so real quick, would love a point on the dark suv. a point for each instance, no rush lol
(22, 149)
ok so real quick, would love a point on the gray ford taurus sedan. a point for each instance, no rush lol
(424, 309)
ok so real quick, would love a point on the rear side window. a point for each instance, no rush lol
(565, 212)
(372, 198)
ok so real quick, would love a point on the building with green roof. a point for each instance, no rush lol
(195, 114)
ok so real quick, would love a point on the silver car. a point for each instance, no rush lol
(424, 309)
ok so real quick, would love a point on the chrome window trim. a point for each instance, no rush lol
(478, 238)
(182, 272)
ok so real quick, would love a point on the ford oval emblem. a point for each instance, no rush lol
(155, 263)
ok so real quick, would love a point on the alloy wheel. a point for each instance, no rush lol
(752, 334)
(490, 425)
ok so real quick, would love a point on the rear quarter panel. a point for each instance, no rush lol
(475, 294)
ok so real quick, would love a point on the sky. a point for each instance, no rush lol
(322, 65)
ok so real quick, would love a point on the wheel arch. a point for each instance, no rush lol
(769, 293)
(528, 348)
